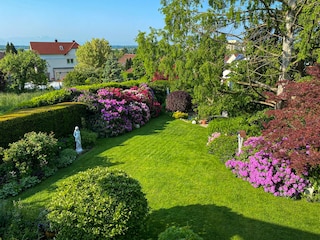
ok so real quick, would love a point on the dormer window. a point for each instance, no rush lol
(61, 48)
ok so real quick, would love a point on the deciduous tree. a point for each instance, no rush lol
(23, 67)
(93, 54)
(278, 37)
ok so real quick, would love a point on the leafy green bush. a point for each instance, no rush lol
(229, 126)
(17, 221)
(224, 147)
(52, 97)
(178, 233)
(88, 138)
(75, 78)
(66, 157)
(32, 155)
(98, 204)
(178, 101)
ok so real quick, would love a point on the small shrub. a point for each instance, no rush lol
(178, 114)
(223, 146)
(178, 101)
(66, 157)
(178, 233)
(88, 138)
(98, 204)
(11, 188)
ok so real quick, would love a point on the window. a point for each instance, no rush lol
(69, 60)
(61, 48)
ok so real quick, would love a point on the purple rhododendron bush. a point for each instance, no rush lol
(285, 160)
(116, 111)
(259, 167)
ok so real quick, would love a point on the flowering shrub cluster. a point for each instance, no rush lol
(121, 110)
(261, 168)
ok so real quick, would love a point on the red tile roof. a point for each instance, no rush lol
(48, 48)
(126, 57)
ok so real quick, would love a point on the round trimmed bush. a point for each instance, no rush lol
(98, 204)
(178, 101)
(175, 233)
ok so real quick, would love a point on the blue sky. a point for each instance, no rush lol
(117, 21)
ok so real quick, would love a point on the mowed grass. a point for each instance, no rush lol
(186, 186)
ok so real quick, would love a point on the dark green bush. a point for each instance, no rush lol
(66, 157)
(179, 233)
(17, 221)
(98, 204)
(88, 138)
(178, 101)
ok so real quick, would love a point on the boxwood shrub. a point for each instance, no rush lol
(98, 204)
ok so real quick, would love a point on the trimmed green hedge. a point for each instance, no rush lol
(59, 119)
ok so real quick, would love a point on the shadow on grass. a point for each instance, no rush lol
(92, 158)
(218, 222)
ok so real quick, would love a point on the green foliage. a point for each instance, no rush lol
(112, 70)
(178, 114)
(88, 138)
(52, 97)
(75, 78)
(93, 54)
(178, 101)
(312, 193)
(66, 157)
(33, 154)
(10, 48)
(98, 204)
(19, 221)
(23, 67)
(178, 233)
(224, 147)
(229, 126)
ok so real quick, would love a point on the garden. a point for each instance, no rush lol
(146, 174)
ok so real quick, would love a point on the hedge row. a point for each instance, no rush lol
(60, 119)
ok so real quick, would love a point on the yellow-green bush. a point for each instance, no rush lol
(179, 114)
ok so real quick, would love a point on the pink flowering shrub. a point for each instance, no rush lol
(119, 110)
(262, 169)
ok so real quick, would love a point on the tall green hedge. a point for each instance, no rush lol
(59, 119)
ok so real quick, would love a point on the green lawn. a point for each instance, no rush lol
(185, 185)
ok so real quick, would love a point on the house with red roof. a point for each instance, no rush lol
(60, 57)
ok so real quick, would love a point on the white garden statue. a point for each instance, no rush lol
(77, 138)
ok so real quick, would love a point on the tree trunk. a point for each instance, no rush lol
(287, 43)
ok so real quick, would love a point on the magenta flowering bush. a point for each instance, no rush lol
(118, 111)
(261, 169)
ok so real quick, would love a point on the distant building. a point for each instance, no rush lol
(60, 57)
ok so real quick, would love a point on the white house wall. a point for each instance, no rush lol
(59, 65)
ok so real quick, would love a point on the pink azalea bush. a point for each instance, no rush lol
(262, 169)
